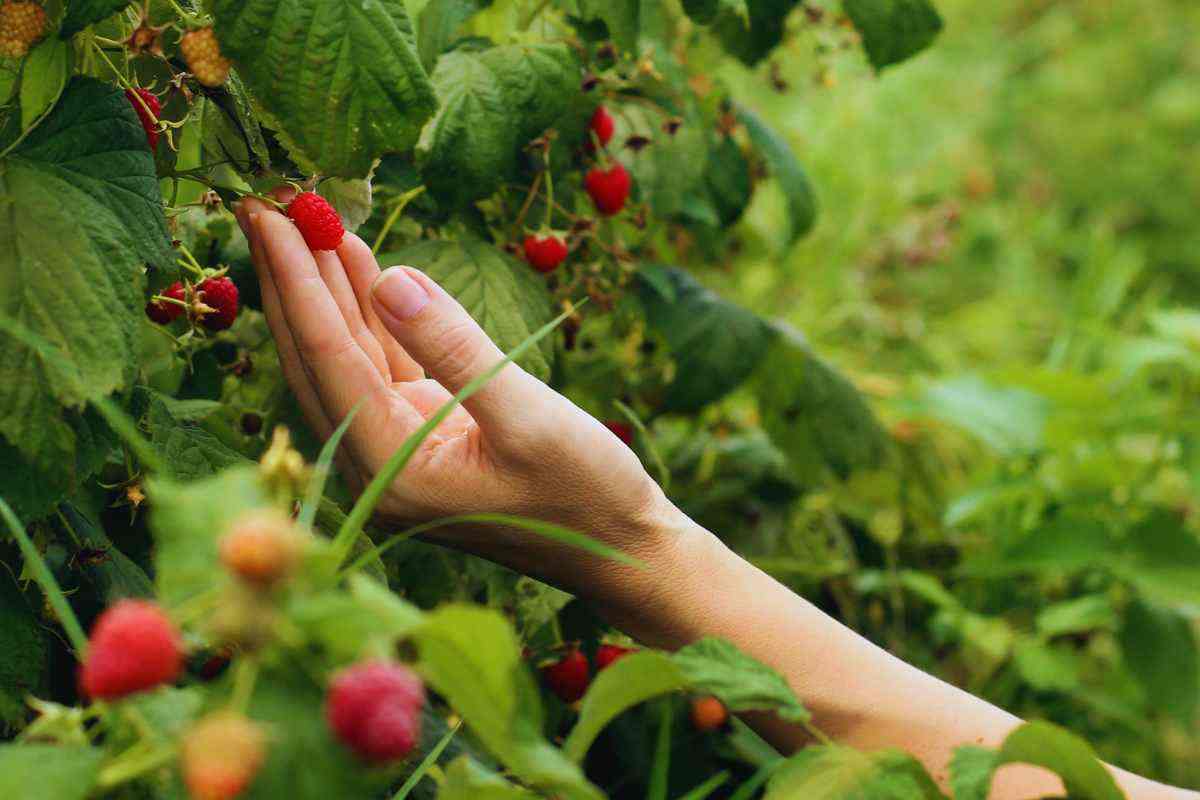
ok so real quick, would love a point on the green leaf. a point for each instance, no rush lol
(188, 450)
(840, 773)
(493, 103)
(716, 667)
(727, 179)
(625, 683)
(439, 23)
(350, 197)
(621, 18)
(814, 414)
(466, 780)
(48, 772)
(1161, 557)
(1160, 651)
(715, 344)
(114, 574)
(787, 171)
(894, 30)
(504, 296)
(1010, 421)
(752, 36)
(669, 171)
(1043, 745)
(353, 88)
(1080, 615)
(34, 489)
(230, 132)
(187, 521)
(22, 654)
(348, 624)
(1047, 667)
(471, 656)
(43, 78)
(79, 213)
(81, 13)
(703, 12)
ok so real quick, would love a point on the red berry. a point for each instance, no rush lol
(221, 295)
(161, 311)
(609, 189)
(623, 430)
(220, 755)
(316, 220)
(708, 713)
(602, 126)
(148, 118)
(374, 708)
(606, 654)
(133, 647)
(545, 254)
(568, 677)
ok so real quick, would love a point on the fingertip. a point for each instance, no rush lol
(398, 295)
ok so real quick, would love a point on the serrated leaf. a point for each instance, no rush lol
(81, 13)
(893, 30)
(188, 450)
(492, 104)
(33, 490)
(43, 78)
(503, 295)
(350, 197)
(840, 773)
(814, 414)
(79, 212)
(231, 132)
(48, 772)
(715, 344)
(22, 653)
(670, 169)
(716, 667)
(438, 24)
(1160, 650)
(633, 679)
(752, 35)
(353, 88)
(786, 170)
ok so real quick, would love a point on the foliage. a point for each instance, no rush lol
(938, 478)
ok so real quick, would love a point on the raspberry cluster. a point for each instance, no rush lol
(202, 53)
(21, 25)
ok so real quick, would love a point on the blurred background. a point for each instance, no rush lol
(1007, 264)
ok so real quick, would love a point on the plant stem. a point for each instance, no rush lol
(401, 204)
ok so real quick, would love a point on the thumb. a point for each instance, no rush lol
(443, 338)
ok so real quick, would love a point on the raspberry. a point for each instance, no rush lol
(568, 677)
(316, 220)
(546, 253)
(220, 755)
(606, 654)
(149, 119)
(133, 647)
(202, 53)
(708, 714)
(261, 548)
(374, 708)
(221, 295)
(623, 430)
(161, 311)
(601, 126)
(609, 189)
(21, 25)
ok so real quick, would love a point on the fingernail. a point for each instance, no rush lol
(399, 294)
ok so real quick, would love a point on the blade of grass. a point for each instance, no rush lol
(546, 529)
(661, 770)
(361, 512)
(125, 427)
(426, 764)
(316, 484)
(45, 579)
(748, 789)
(708, 787)
(664, 474)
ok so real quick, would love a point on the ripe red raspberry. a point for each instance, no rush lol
(149, 119)
(374, 708)
(601, 126)
(261, 548)
(606, 654)
(546, 253)
(161, 311)
(221, 295)
(317, 222)
(133, 647)
(609, 189)
(623, 430)
(202, 53)
(568, 677)
(708, 714)
(220, 755)
(21, 26)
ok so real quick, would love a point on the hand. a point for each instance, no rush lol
(347, 332)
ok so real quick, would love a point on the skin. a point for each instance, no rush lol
(347, 332)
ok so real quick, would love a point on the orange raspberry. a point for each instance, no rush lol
(221, 755)
(262, 547)
(202, 53)
(708, 713)
(21, 25)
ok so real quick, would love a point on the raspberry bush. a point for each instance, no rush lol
(159, 489)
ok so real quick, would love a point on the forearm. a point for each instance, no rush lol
(859, 694)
